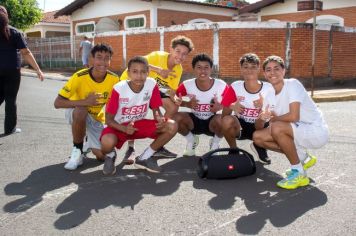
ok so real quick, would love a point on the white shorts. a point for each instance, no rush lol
(93, 129)
(310, 136)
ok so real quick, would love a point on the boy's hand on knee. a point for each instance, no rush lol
(130, 129)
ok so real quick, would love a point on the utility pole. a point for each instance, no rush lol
(314, 5)
(313, 50)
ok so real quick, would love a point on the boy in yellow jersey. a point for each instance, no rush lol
(166, 68)
(84, 97)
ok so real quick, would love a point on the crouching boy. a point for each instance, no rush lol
(126, 114)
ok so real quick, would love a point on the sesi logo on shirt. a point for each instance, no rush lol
(135, 110)
(202, 107)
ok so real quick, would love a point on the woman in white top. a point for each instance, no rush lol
(296, 124)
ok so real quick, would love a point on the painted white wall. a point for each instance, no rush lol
(101, 8)
(291, 6)
(44, 27)
(167, 5)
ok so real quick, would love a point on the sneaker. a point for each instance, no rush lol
(75, 160)
(191, 152)
(294, 180)
(164, 153)
(129, 157)
(109, 165)
(308, 162)
(15, 130)
(149, 164)
(213, 146)
(261, 153)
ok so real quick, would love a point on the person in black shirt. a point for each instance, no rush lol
(12, 44)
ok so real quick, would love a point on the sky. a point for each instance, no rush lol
(52, 5)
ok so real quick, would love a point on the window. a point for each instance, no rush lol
(85, 27)
(135, 22)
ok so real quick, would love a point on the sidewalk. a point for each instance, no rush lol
(326, 94)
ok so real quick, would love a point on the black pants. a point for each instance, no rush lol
(9, 87)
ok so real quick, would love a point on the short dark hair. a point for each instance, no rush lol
(250, 58)
(274, 58)
(202, 57)
(102, 47)
(182, 40)
(138, 59)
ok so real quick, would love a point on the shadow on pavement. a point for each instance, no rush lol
(94, 191)
(263, 199)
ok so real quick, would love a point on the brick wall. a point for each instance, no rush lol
(335, 48)
(347, 13)
(168, 17)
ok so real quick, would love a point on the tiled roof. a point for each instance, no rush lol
(48, 17)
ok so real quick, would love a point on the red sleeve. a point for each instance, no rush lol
(229, 97)
(225, 91)
(181, 91)
(156, 100)
(113, 104)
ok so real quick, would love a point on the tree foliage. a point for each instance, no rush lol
(22, 13)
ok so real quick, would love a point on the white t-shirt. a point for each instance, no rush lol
(202, 110)
(129, 106)
(238, 92)
(294, 91)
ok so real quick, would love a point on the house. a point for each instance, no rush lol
(50, 26)
(89, 17)
(339, 13)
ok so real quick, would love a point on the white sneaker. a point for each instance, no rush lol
(191, 151)
(76, 159)
(213, 145)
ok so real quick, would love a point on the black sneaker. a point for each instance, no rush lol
(109, 165)
(261, 153)
(149, 164)
(164, 153)
(129, 157)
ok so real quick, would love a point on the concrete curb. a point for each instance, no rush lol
(46, 76)
(335, 98)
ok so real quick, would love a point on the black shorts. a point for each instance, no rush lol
(201, 126)
(247, 129)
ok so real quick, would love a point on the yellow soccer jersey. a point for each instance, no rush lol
(81, 84)
(160, 59)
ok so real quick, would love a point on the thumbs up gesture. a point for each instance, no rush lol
(259, 102)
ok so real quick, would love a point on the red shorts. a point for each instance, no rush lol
(145, 129)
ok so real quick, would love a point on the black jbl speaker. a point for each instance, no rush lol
(226, 163)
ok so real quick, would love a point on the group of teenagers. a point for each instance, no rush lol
(105, 111)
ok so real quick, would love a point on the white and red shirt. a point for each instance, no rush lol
(238, 92)
(129, 106)
(202, 110)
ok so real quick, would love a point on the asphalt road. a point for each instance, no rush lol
(40, 197)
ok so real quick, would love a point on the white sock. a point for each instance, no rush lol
(302, 154)
(298, 167)
(215, 142)
(131, 143)
(111, 154)
(189, 137)
(147, 153)
(190, 140)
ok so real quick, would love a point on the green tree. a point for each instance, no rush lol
(22, 13)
